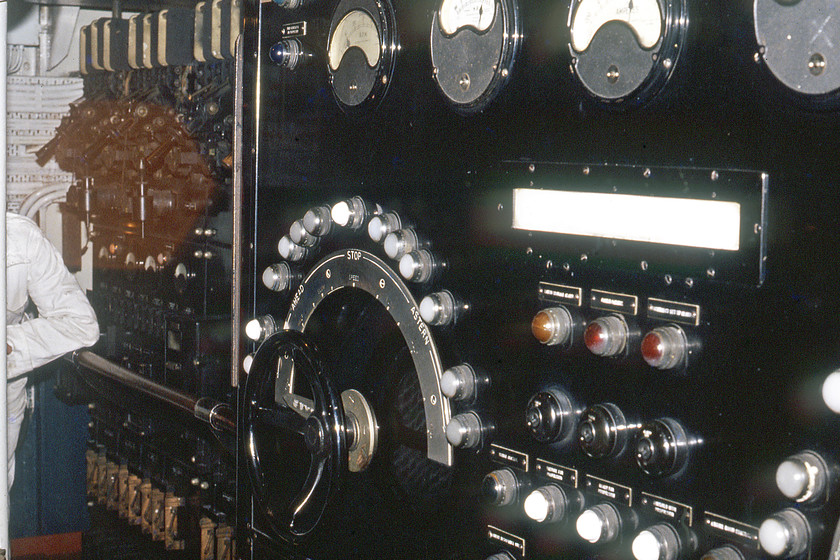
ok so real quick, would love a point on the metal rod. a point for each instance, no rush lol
(236, 244)
(4, 437)
(219, 415)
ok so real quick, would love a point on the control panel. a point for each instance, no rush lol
(534, 280)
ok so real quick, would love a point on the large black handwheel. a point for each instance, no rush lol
(293, 434)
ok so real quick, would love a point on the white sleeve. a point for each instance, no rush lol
(66, 321)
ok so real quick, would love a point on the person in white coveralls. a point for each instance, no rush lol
(65, 320)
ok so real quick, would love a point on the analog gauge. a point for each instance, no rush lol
(799, 43)
(474, 44)
(360, 52)
(625, 50)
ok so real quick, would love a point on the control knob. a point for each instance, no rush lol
(803, 477)
(663, 542)
(418, 266)
(554, 326)
(400, 243)
(552, 503)
(300, 236)
(551, 415)
(785, 534)
(602, 523)
(500, 487)
(290, 250)
(604, 431)
(662, 447)
(607, 336)
(351, 213)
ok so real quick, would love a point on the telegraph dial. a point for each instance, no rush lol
(350, 385)
(626, 50)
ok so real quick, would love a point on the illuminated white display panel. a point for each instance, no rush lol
(706, 224)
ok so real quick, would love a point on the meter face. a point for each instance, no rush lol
(474, 44)
(625, 50)
(360, 50)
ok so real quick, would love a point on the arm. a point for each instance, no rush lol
(65, 321)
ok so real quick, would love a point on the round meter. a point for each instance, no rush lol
(474, 44)
(360, 52)
(800, 43)
(626, 50)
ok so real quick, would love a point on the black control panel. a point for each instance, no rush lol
(539, 280)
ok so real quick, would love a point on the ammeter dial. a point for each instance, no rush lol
(361, 48)
(474, 44)
(626, 50)
(800, 43)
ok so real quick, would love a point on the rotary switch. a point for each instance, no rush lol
(607, 336)
(600, 524)
(785, 534)
(662, 447)
(604, 431)
(662, 542)
(500, 487)
(551, 416)
(554, 326)
(803, 477)
(551, 503)
(665, 347)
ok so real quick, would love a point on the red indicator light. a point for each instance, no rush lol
(596, 338)
(653, 350)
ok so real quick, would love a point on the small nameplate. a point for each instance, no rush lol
(557, 473)
(610, 490)
(557, 293)
(297, 29)
(609, 301)
(684, 313)
(673, 511)
(508, 540)
(732, 530)
(509, 457)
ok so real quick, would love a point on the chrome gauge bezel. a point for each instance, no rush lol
(455, 56)
(665, 56)
(358, 98)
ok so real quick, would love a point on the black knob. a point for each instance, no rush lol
(604, 431)
(662, 447)
(551, 416)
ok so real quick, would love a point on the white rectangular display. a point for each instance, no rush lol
(707, 224)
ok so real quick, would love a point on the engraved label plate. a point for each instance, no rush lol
(558, 473)
(610, 301)
(732, 530)
(610, 490)
(509, 457)
(674, 311)
(508, 540)
(673, 511)
(297, 29)
(557, 293)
